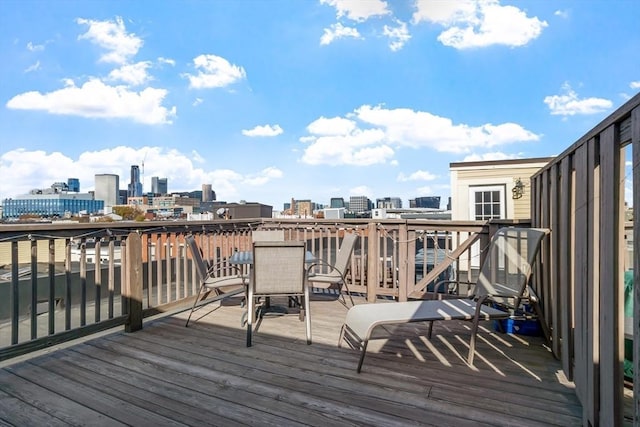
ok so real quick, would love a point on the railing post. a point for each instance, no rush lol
(132, 286)
(373, 255)
(403, 250)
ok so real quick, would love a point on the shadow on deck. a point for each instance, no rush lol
(167, 374)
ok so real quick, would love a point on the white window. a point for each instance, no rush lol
(487, 202)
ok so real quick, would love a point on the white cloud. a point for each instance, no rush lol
(263, 177)
(338, 31)
(635, 85)
(361, 190)
(332, 126)
(197, 102)
(33, 67)
(406, 127)
(32, 169)
(162, 60)
(371, 135)
(113, 37)
(266, 130)
(214, 71)
(425, 190)
(562, 13)
(35, 47)
(358, 10)
(359, 148)
(416, 176)
(398, 36)
(132, 74)
(98, 100)
(569, 104)
(470, 24)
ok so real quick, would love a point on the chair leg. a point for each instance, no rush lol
(307, 314)
(545, 329)
(474, 331)
(430, 330)
(250, 313)
(344, 282)
(362, 354)
(186, 325)
(341, 337)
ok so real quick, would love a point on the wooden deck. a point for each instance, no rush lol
(167, 374)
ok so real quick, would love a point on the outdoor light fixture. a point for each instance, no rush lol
(518, 189)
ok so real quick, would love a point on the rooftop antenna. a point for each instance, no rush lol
(143, 159)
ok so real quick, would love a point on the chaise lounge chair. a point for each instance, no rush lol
(500, 291)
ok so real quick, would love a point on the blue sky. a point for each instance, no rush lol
(269, 100)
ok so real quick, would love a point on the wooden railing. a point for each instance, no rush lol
(580, 197)
(64, 281)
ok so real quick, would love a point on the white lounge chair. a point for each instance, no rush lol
(499, 293)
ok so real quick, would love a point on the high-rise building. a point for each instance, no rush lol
(337, 202)
(360, 204)
(108, 189)
(432, 202)
(159, 185)
(73, 184)
(389, 203)
(51, 204)
(134, 189)
(208, 195)
(304, 208)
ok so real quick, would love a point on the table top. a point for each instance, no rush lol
(246, 257)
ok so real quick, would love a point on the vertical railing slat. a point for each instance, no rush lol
(611, 262)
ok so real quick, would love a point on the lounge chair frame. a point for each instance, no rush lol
(500, 292)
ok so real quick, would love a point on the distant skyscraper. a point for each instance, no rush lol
(107, 189)
(432, 202)
(207, 193)
(389, 203)
(337, 202)
(74, 184)
(134, 189)
(159, 185)
(359, 204)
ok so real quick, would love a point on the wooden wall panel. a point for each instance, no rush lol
(611, 262)
(564, 235)
(580, 273)
(592, 283)
(555, 307)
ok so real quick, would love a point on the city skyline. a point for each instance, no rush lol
(311, 100)
(107, 190)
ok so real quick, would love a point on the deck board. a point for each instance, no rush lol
(167, 374)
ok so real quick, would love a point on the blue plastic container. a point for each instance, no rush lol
(520, 327)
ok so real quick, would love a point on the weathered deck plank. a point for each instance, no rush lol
(167, 374)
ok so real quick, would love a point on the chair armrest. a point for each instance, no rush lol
(451, 292)
(219, 266)
(321, 263)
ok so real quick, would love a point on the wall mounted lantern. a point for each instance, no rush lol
(518, 189)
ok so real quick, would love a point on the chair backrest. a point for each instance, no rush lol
(344, 253)
(267, 236)
(508, 264)
(196, 255)
(278, 268)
